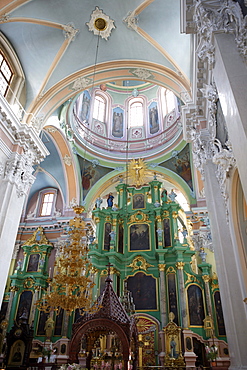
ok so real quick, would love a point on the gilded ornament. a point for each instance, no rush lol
(214, 285)
(162, 266)
(137, 169)
(139, 217)
(28, 283)
(206, 278)
(113, 271)
(138, 263)
(170, 270)
(14, 289)
(191, 278)
(180, 265)
(38, 233)
(97, 220)
(158, 218)
(174, 214)
(94, 270)
(166, 214)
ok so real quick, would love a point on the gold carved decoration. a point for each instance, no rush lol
(174, 214)
(166, 214)
(113, 271)
(180, 265)
(162, 266)
(158, 218)
(28, 283)
(137, 169)
(206, 278)
(94, 270)
(139, 217)
(209, 326)
(214, 281)
(14, 289)
(96, 219)
(38, 233)
(138, 263)
(170, 270)
(191, 278)
(173, 344)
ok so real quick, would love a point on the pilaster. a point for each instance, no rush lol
(20, 149)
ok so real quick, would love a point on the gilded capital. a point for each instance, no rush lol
(180, 265)
(158, 218)
(174, 214)
(161, 266)
(206, 278)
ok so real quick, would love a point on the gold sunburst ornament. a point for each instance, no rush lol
(137, 170)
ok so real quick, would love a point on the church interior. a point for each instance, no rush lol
(123, 219)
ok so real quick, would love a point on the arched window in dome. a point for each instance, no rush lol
(99, 108)
(169, 105)
(136, 109)
(168, 101)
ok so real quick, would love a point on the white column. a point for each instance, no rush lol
(230, 75)
(228, 269)
(20, 149)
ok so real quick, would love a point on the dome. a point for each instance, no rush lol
(127, 119)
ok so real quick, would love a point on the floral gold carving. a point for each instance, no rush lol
(138, 263)
(180, 265)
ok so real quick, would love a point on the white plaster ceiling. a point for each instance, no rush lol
(35, 30)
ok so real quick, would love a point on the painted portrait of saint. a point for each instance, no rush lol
(139, 237)
(219, 314)
(143, 289)
(196, 307)
(117, 122)
(85, 105)
(17, 353)
(153, 118)
(107, 237)
(24, 306)
(180, 164)
(138, 201)
(33, 262)
(90, 173)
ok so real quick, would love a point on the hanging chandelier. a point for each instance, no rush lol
(71, 287)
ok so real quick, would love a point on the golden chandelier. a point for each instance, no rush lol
(71, 286)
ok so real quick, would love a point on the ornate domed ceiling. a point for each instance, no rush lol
(125, 120)
(59, 43)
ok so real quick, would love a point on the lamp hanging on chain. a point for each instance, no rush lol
(71, 287)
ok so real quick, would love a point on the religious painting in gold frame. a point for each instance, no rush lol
(196, 305)
(139, 237)
(144, 289)
(138, 201)
(16, 354)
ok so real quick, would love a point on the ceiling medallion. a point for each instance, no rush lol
(100, 24)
